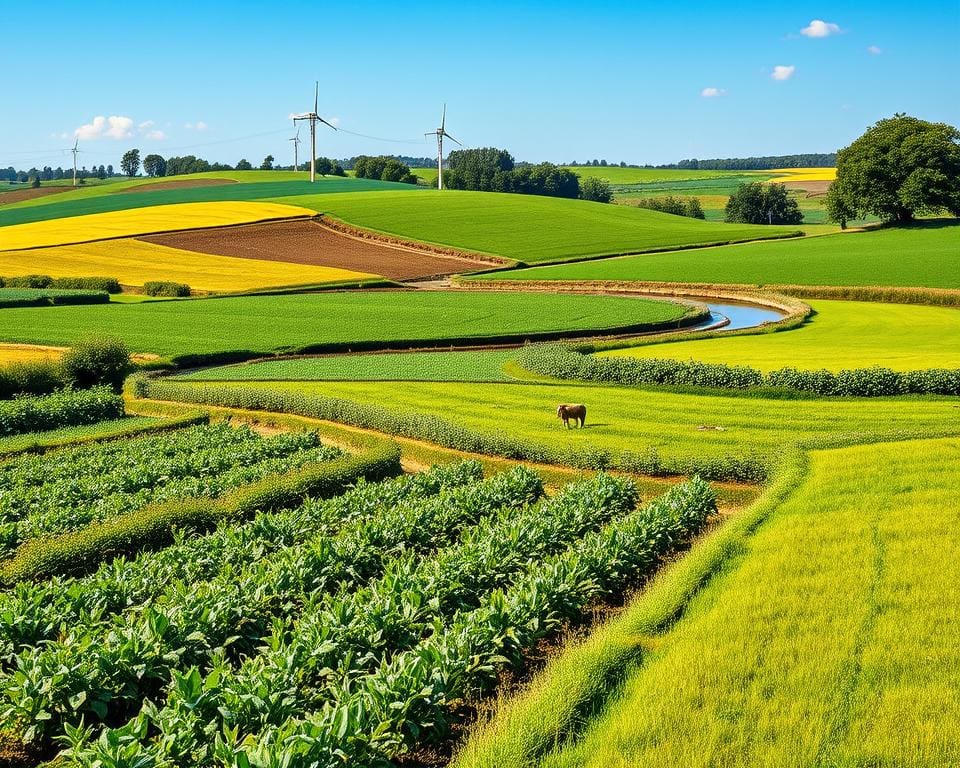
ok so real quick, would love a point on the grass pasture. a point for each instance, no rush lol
(677, 427)
(513, 226)
(141, 221)
(920, 256)
(841, 335)
(133, 262)
(265, 324)
(754, 678)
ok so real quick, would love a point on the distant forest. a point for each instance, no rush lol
(810, 160)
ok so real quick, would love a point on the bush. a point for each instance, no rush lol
(678, 206)
(760, 203)
(34, 378)
(166, 288)
(65, 408)
(597, 190)
(153, 526)
(94, 361)
(45, 297)
(28, 281)
(107, 284)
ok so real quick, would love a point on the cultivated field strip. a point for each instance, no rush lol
(368, 713)
(34, 612)
(69, 489)
(104, 671)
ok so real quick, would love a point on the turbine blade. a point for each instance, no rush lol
(451, 138)
(316, 96)
(326, 123)
(443, 118)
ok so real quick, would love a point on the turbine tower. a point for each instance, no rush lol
(296, 144)
(75, 150)
(314, 118)
(440, 133)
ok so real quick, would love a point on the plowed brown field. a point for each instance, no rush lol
(309, 242)
(29, 193)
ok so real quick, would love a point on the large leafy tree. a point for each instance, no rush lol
(900, 167)
(155, 165)
(760, 203)
(130, 162)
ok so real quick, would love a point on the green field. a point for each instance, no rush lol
(625, 419)
(920, 256)
(841, 335)
(486, 365)
(265, 324)
(514, 226)
(771, 666)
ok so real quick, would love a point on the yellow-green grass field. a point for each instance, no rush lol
(841, 335)
(27, 353)
(677, 426)
(920, 256)
(525, 228)
(828, 640)
(134, 262)
(141, 221)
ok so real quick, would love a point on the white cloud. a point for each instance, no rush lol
(155, 135)
(876, 50)
(145, 125)
(782, 72)
(710, 93)
(113, 127)
(819, 28)
(197, 126)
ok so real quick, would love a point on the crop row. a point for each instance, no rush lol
(100, 672)
(562, 362)
(372, 711)
(33, 612)
(66, 408)
(66, 490)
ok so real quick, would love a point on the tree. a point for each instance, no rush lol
(244, 165)
(598, 190)
(36, 181)
(267, 164)
(760, 203)
(155, 165)
(101, 173)
(130, 162)
(902, 166)
(109, 171)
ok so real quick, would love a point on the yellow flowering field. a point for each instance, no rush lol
(804, 174)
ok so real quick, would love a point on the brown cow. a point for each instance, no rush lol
(575, 412)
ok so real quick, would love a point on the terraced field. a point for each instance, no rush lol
(918, 256)
(377, 319)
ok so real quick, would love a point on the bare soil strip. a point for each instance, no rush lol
(180, 184)
(17, 195)
(314, 243)
(812, 188)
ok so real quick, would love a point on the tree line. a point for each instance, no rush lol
(766, 163)
(47, 173)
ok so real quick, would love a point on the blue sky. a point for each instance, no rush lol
(555, 81)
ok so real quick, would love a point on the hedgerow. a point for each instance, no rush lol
(44, 297)
(39, 377)
(166, 288)
(563, 362)
(153, 526)
(435, 430)
(65, 408)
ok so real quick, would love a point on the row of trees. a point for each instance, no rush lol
(383, 168)
(678, 206)
(765, 163)
(760, 203)
(54, 174)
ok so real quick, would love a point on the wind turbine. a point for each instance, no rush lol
(75, 150)
(440, 133)
(313, 117)
(296, 144)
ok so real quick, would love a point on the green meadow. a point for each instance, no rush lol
(822, 641)
(924, 255)
(513, 226)
(841, 335)
(266, 324)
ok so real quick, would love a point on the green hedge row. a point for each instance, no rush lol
(563, 362)
(166, 288)
(66, 408)
(436, 430)
(32, 443)
(108, 284)
(153, 526)
(40, 377)
(49, 297)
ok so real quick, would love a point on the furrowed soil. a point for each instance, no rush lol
(18, 195)
(309, 242)
(180, 184)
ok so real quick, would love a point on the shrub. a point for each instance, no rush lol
(95, 361)
(107, 284)
(166, 288)
(678, 206)
(32, 378)
(597, 190)
(41, 297)
(28, 281)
